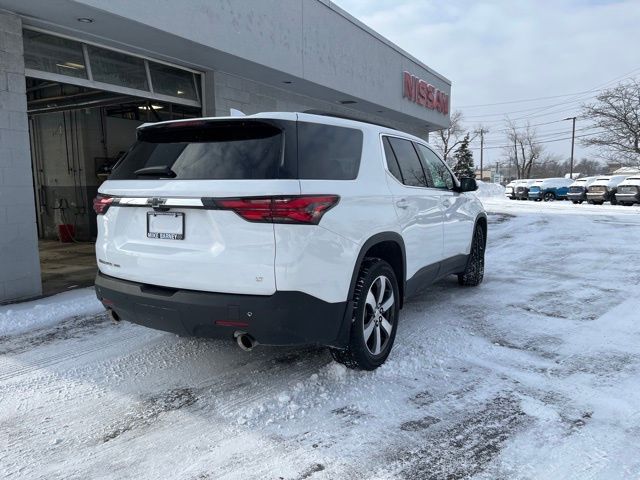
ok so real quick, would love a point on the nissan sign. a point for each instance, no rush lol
(425, 94)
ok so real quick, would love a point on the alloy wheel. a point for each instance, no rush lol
(378, 321)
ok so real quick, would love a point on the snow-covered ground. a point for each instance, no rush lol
(533, 375)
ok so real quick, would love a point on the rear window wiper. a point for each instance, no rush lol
(161, 171)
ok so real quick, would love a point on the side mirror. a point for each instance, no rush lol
(468, 184)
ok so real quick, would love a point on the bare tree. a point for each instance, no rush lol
(524, 150)
(447, 139)
(616, 112)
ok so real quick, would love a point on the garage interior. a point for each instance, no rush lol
(77, 135)
(78, 132)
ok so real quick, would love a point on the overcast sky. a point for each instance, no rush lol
(510, 50)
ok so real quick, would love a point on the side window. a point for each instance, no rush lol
(409, 162)
(438, 171)
(392, 162)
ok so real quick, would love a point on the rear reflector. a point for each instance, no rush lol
(224, 323)
(302, 209)
(101, 203)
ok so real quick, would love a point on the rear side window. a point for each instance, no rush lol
(213, 151)
(409, 162)
(327, 152)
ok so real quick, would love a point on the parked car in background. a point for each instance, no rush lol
(509, 190)
(578, 189)
(604, 189)
(628, 191)
(522, 189)
(549, 189)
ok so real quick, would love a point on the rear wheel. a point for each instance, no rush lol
(549, 197)
(375, 317)
(474, 272)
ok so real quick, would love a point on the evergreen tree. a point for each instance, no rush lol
(463, 158)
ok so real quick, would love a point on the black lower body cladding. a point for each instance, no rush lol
(284, 318)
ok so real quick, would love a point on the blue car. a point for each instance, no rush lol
(550, 189)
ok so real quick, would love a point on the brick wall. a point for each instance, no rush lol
(19, 262)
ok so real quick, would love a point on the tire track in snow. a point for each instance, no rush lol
(19, 365)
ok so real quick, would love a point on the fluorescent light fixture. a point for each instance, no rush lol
(180, 92)
(154, 107)
(71, 65)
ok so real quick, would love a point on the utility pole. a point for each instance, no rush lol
(573, 138)
(515, 149)
(481, 152)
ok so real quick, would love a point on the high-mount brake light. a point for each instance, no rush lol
(101, 204)
(300, 209)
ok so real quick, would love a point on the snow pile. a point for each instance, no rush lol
(22, 317)
(486, 190)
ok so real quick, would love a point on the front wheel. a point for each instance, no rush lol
(375, 317)
(549, 197)
(474, 272)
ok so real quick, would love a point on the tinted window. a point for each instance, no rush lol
(238, 150)
(117, 68)
(326, 152)
(392, 162)
(53, 54)
(172, 81)
(412, 171)
(439, 174)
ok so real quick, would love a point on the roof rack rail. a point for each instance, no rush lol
(346, 117)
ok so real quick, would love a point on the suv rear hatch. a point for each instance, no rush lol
(163, 218)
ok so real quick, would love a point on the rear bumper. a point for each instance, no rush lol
(577, 196)
(598, 197)
(628, 197)
(284, 318)
(534, 195)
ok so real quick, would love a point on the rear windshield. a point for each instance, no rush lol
(243, 150)
(235, 150)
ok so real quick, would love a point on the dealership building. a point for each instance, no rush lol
(77, 77)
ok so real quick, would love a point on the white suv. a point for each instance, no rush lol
(282, 229)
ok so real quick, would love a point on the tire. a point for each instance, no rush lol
(474, 272)
(580, 201)
(575, 202)
(549, 197)
(370, 340)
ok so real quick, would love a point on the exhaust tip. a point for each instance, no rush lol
(245, 341)
(113, 315)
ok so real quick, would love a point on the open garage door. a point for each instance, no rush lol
(84, 104)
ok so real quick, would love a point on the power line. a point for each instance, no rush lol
(526, 100)
(537, 111)
(543, 141)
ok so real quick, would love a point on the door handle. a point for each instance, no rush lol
(402, 203)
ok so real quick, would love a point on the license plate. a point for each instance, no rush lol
(165, 225)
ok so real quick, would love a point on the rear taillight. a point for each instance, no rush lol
(306, 209)
(101, 203)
